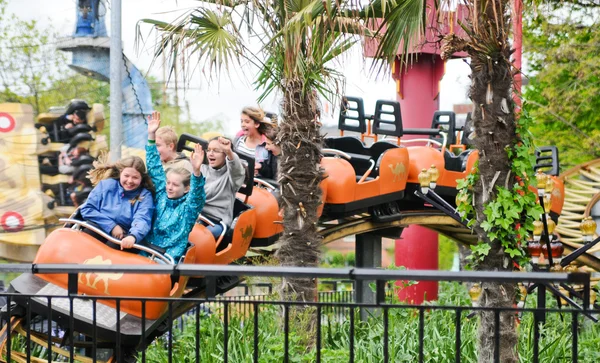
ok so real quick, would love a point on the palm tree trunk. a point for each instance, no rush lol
(300, 175)
(494, 122)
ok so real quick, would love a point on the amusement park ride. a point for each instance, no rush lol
(373, 189)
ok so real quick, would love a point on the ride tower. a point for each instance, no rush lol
(90, 49)
(418, 91)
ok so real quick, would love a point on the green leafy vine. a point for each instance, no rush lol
(509, 216)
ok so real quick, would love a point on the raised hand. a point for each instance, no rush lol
(153, 124)
(226, 147)
(197, 159)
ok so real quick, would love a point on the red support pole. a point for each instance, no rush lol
(418, 93)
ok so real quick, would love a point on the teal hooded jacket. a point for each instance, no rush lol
(173, 218)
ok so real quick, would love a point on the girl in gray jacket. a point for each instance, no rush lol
(224, 175)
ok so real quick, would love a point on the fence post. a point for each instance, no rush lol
(368, 254)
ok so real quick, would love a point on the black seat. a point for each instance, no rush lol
(467, 131)
(456, 162)
(444, 120)
(347, 144)
(352, 115)
(546, 157)
(387, 119)
(82, 160)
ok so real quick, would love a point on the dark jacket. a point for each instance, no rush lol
(268, 170)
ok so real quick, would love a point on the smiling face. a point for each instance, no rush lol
(215, 155)
(166, 151)
(130, 179)
(175, 185)
(249, 126)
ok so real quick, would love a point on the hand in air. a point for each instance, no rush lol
(117, 232)
(127, 242)
(225, 145)
(197, 158)
(153, 122)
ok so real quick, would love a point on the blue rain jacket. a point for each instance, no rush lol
(173, 218)
(109, 204)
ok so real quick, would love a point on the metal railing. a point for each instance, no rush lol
(127, 342)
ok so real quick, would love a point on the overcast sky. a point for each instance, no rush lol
(230, 96)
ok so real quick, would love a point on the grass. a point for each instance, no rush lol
(438, 345)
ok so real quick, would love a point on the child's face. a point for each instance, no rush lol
(130, 179)
(215, 155)
(276, 150)
(248, 125)
(166, 152)
(175, 187)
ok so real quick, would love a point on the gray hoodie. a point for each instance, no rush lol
(220, 188)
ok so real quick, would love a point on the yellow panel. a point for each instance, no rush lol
(57, 179)
(19, 171)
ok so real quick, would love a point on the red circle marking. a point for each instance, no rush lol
(8, 219)
(7, 122)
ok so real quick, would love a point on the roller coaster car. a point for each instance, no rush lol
(70, 245)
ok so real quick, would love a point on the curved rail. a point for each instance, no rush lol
(210, 223)
(265, 184)
(163, 257)
(336, 152)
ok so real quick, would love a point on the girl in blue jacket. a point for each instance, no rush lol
(121, 204)
(178, 200)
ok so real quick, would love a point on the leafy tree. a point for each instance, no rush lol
(300, 38)
(33, 72)
(297, 41)
(563, 96)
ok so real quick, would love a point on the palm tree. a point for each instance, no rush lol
(297, 40)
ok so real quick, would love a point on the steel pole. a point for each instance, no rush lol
(116, 93)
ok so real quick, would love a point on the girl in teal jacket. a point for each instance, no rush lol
(177, 201)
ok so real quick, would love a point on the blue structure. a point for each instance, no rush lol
(90, 47)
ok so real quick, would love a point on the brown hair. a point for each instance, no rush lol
(167, 134)
(103, 170)
(271, 133)
(183, 172)
(258, 116)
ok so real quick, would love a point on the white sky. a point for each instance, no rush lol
(230, 96)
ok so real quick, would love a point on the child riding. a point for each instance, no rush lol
(121, 203)
(178, 199)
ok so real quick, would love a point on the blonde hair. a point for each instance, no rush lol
(104, 170)
(167, 134)
(183, 172)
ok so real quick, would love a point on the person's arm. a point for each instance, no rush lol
(142, 219)
(197, 196)
(237, 172)
(155, 168)
(91, 209)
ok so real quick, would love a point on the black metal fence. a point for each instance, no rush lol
(201, 326)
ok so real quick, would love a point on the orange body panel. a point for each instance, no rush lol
(558, 196)
(393, 171)
(267, 212)
(422, 157)
(205, 244)
(342, 186)
(70, 246)
(242, 236)
(341, 180)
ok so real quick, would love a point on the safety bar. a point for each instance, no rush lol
(368, 172)
(210, 223)
(164, 257)
(264, 184)
(430, 141)
(336, 153)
